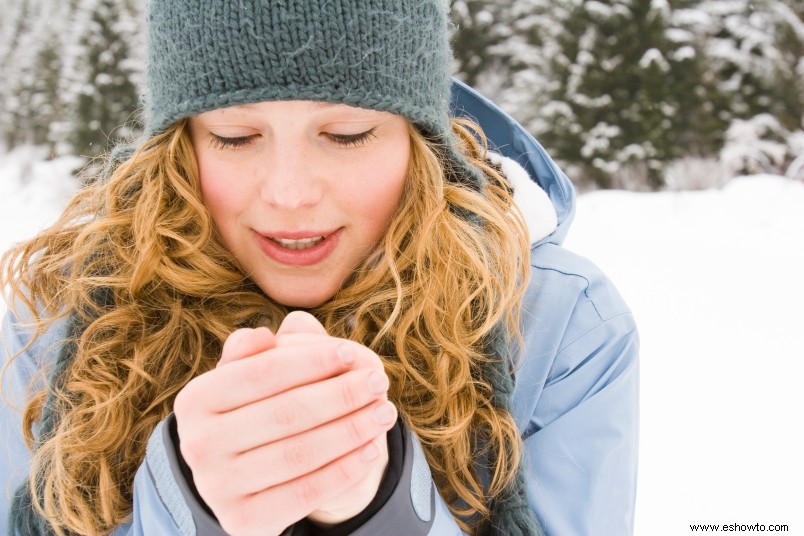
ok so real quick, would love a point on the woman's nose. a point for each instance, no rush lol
(291, 180)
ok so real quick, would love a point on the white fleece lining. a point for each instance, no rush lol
(533, 202)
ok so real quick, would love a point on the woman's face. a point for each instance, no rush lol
(300, 191)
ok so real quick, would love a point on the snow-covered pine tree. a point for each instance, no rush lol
(101, 69)
(616, 97)
(31, 58)
(521, 76)
(479, 28)
(12, 26)
(754, 51)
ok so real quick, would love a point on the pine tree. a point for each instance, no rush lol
(480, 27)
(612, 107)
(100, 75)
(754, 48)
(754, 78)
(25, 56)
(68, 75)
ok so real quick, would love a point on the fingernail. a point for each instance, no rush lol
(369, 452)
(346, 355)
(378, 383)
(384, 413)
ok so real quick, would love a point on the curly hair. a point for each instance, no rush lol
(449, 269)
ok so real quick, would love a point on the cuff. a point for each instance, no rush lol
(410, 509)
(189, 513)
(390, 480)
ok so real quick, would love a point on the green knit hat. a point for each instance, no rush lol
(392, 56)
(388, 55)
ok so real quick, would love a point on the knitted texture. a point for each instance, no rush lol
(386, 55)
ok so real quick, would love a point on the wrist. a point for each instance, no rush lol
(390, 479)
(355, 500)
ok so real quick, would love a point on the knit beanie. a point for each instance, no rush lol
(387, 55)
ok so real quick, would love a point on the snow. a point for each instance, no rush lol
(714, 280)
(32, 192)
(653, 56)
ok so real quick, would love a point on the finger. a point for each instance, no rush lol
(305, 453)
(300, 322)
(246, 342)
(304, 408)
(272, 372)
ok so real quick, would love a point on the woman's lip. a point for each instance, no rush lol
(297, 235)
(298, 257)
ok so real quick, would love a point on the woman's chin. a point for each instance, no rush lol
(302, 298)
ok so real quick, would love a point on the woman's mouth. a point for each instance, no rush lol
(299, 250)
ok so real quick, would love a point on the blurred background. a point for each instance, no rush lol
(681, 123)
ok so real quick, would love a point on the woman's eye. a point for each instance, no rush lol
(221, 142)
(351, 140)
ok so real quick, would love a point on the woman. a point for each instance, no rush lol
(308, 303)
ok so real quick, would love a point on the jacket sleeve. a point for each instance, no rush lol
(576, 398)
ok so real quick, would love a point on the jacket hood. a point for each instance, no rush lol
(510, 140)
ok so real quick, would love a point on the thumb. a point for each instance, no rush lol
(300, 322)
(246, 342)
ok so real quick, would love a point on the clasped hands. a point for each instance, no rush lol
(287, 426)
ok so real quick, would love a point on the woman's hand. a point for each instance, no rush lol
(287, 426)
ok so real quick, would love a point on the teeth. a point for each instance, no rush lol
(302, 243)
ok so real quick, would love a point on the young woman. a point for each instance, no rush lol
(309, 302)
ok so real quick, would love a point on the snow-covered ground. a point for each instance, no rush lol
(715, 281)
(32, 193)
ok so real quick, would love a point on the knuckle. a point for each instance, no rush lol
(348, 471)
(191, 452)
(236, 521)
(286, 411)
(309, 492)
(345, 473)
(354, 432)
(266, 367)
(207, 485)
(183, 403)
(349, 396)
(195, 445)
(329, 359)
(253, 380)
(297, 453)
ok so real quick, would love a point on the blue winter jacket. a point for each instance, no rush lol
(575, 399)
